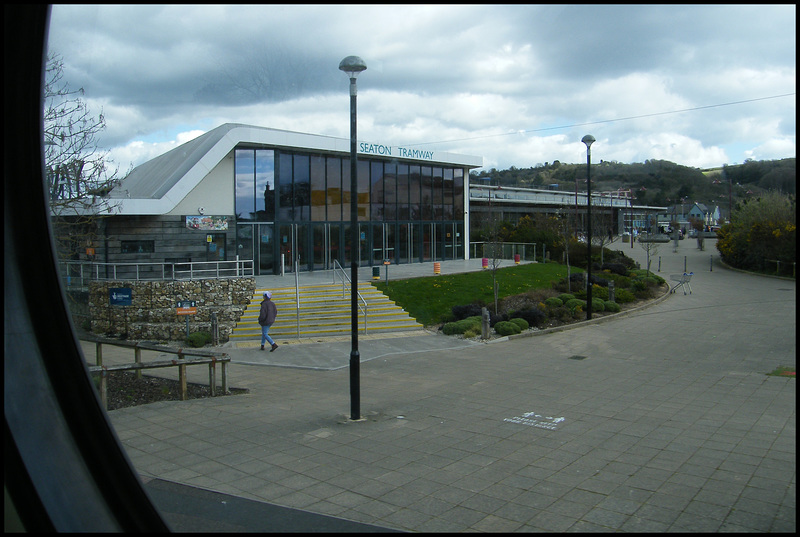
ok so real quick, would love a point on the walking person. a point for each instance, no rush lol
(266, 317)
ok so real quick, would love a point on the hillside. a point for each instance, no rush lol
(657, 182)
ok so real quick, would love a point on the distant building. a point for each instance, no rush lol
(275, 196)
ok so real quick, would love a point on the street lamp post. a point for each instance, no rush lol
(588, 140)
(352, 66)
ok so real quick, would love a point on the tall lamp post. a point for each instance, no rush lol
(588, 140)
(352, 66)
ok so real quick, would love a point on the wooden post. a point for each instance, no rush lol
(182, 377)
(98, 354)
(137, 357)
(224, 377)
(104, 387)
(212, 377)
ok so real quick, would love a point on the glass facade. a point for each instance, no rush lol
(293, 210)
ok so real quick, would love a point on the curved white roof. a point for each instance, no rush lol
(158, 185)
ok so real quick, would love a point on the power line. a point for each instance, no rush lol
(606, 120)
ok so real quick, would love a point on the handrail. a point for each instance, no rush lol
(344, 295)
(85, 271)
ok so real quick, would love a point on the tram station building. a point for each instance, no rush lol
(282, 199)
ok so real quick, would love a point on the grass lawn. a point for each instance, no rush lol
(430, 299)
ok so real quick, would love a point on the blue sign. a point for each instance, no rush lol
(120, 296)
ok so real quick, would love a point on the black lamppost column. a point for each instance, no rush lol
(352, 65)
(588, 140)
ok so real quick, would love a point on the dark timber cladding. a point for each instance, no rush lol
(282, 199)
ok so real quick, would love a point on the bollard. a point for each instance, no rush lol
(484, 323)
(485, 262)
(516, 259)
(437, 267)
(376, 273)
(611, 290)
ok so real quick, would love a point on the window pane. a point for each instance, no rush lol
(265, 185)
(302, 188)
(414, 199)
(334, 180)
(436, 193)
(376, 183)
(284, 186)
(447, 194)
(363, 190)
(244, 184)
(426, 200)
(390, 191)
(402, 192)
(318, 192)
(458, 194)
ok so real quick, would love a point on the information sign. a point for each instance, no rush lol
(187, 307)
(120, 296)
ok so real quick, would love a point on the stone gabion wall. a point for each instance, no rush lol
(153, 315)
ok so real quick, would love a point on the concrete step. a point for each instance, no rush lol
(324, 311)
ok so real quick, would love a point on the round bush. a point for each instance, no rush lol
(507, 328)
(623, 296)
(575, 303)
(462, 326)
(598, 304)
(613, 307)
(553, 302)
(565, 297)
(198, 339)
(533, 315)
(522, 323)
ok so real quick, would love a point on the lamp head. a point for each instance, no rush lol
(352, 65)
(588, 139)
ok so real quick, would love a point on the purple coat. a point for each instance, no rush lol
(268, 312)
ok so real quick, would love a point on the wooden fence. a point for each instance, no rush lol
(202, 356)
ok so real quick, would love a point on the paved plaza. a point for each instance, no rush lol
(661, 419)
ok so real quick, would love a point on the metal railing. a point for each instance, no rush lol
(80, 273)
(504, 250)
(337, 268)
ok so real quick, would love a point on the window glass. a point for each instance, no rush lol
(414, 192)
(284, 186)
(318, 192)
(458, 194)
(402, 192)
(436, 193)
(302, 188)
(426, 199)
(390, 191)
(377, 197)
(447, 194)
(265, 185)
(363, 190)
(244, 182)
(334, 188)
(137, 247)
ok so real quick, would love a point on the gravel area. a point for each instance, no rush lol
(125, 390)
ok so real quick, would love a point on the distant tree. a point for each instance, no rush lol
(78, 172)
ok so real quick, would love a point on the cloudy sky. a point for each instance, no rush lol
(517, 85)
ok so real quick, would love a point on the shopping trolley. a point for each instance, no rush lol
(683, 282)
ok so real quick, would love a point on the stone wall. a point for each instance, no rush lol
(153, 313)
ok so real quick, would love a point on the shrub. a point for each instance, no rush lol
(623, 296)
(462, 312)
(575, 303)
(522, 323)
(599, 292)
(598, 304)
(533, 316)
(616, 268)
(198, 339)
(507, 328)
(553, 302)
(462, 326)
(565, 297)
(613, 307)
